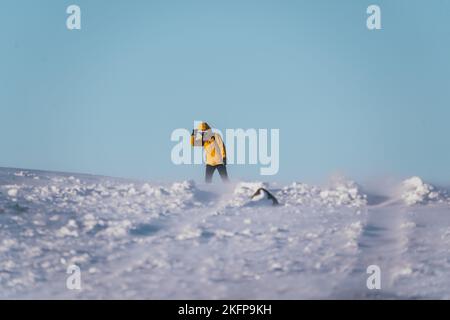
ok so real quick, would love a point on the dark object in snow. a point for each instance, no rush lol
(261, 192)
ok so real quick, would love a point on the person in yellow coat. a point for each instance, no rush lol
(216, 154)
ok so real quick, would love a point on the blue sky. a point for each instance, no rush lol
(105, 99)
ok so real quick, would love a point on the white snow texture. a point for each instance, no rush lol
(138, 240)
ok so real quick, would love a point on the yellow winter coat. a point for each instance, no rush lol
(214, 147)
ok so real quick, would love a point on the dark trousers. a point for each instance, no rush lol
(210, 171)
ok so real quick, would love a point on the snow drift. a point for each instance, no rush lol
(186, 240)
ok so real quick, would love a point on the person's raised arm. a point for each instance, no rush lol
(196, 142)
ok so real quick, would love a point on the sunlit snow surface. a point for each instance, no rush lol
(186, 240)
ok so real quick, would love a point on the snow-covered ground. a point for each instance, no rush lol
(185, 240)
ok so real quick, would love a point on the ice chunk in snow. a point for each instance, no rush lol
(415, 191)
(116, 229)
(189, 233)
(13, 192)
(70, 230)
(183, 187)
(298, 194)
(343, 193)
(154, 191)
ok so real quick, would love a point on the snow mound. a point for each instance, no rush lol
(344, 193)
(341, 193)
(415, 191)
(298, 194)
(79, 217)
(178, 240)
(75, 195)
